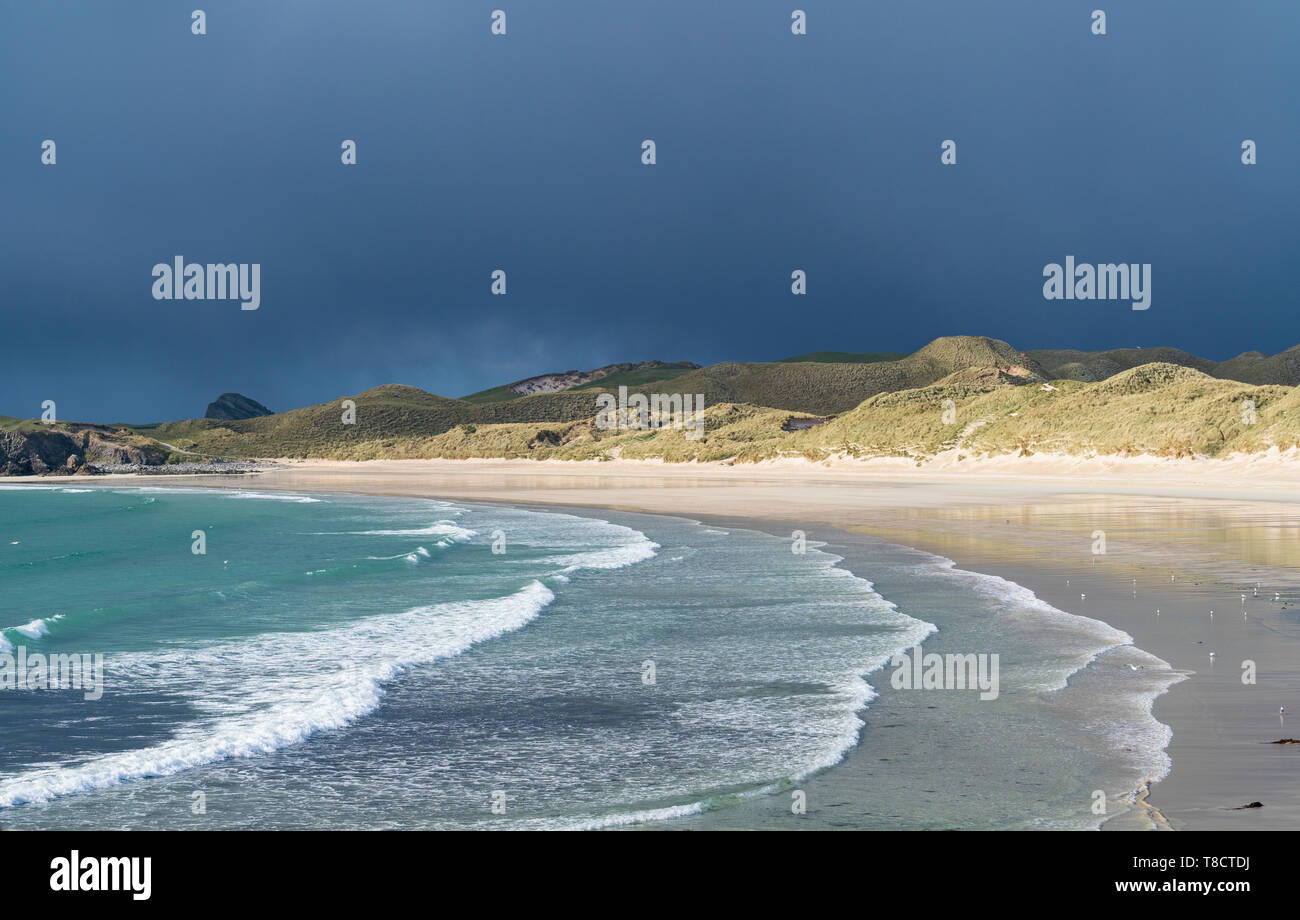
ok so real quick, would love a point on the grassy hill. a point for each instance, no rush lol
(390, 416)
(19, 425)
(385, 416)
(1256, 367)
(1001, 397)
(835, 381)
(1251, 367)
(823, 388)
(1161, 409)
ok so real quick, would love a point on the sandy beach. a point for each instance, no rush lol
(1180, 539)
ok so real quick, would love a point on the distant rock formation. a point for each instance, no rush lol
(234, 406)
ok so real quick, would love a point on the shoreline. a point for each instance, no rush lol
(1269, 475)
(1198, 792)
(855, 548)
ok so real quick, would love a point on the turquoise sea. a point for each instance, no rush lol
(335, 661)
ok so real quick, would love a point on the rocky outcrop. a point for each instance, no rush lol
(37, 452)
(234, 406)
(794, 423)
(556, 383)
(62, 452)
(545, 438)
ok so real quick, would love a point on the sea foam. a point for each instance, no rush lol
(277, 689)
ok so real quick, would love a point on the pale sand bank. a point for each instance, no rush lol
(834, 492)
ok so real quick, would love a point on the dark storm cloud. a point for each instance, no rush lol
(522, 152)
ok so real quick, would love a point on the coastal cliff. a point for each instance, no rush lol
(64, 451)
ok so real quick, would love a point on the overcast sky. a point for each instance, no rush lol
(522, 152)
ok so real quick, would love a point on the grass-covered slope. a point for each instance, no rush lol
(384, 417)
(1161, 409)
(825, 388)
(820, 382)
(731, 432)
(1255, 367)
(391, 416)
(1001, 401)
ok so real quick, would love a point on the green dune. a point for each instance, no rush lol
(1000, 401)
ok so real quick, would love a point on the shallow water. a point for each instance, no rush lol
(344, 661)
